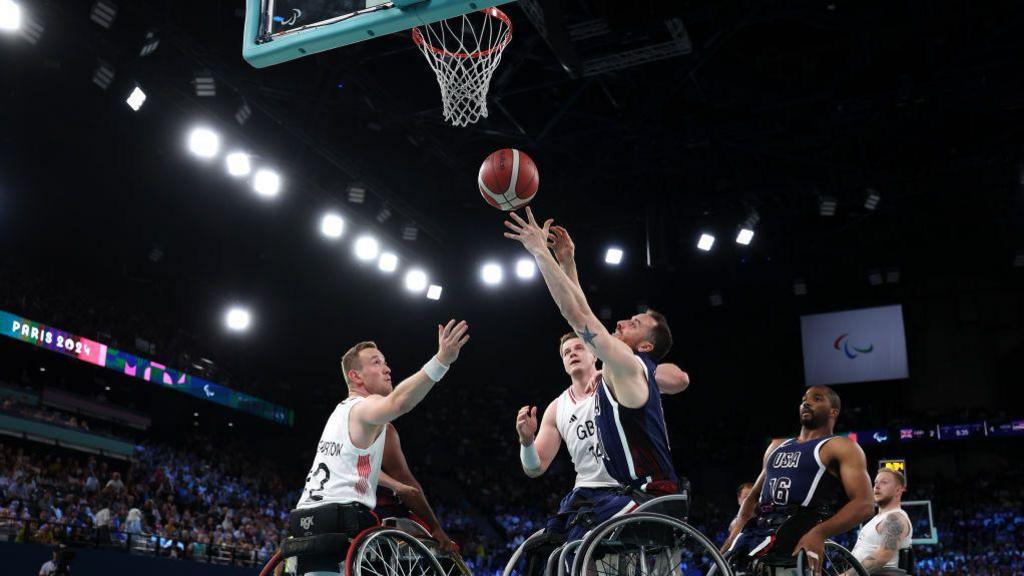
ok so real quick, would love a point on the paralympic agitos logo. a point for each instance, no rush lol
(851, 350)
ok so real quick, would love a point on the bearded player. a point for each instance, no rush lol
(797, 500)
(879, 542)
(628, 417)
(340, 491)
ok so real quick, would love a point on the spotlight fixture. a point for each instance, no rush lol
(266, 183)
(716, 299)
(237, 319)
(410, 232)
(204, 83)
(136, 98)
(384, 214)
(526, 268)
(799, 287)
(1018, 260)
(705, 242)
(103, 13)
(871, 199)
(491, 273)
(366, 248)
(875, 277)
(613, 256)
(103, 75)
(149, 44)
(434, 292)
(745, 236)
(416, 280)
(892, 275)
(238, 164)
(827, 205)
(31, 29)
(243, 114)
(10, 15)
(356, 193)
(204, 142)
(388, 262)
(332, 226)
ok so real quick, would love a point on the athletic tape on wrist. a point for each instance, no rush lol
(435, 370)
(528, 456)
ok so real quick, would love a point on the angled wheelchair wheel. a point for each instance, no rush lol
(566, 556)
(646, 544)
(713, 571)
(390, 552)
(838, 560)
(525, 561)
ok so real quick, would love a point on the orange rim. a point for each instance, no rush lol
(418, 38)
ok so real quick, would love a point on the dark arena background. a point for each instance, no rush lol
(172, 331)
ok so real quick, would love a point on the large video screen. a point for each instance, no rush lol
(93, 352)
(863, 345)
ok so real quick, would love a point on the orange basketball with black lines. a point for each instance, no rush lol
(508, 179)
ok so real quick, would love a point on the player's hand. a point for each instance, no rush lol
(813, 543)
(526, 425)
(561, 244)
(531, 235)
(450, 339)
(444, 543)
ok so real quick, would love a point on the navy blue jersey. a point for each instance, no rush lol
(634, 441)
(796, 476)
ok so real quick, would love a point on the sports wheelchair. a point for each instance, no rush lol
(652, 540)
(349, 539)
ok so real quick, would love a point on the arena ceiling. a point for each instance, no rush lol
(744, 107)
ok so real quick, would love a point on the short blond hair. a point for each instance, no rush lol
(351, 361)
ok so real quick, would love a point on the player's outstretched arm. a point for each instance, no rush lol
(623, 373)
(379, 410)
(671, 379)
(749, 507)
(853, 472)
(538, 448)
(408, 489)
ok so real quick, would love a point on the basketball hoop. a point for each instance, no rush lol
(464, 52)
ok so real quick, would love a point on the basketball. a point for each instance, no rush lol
(508, 179)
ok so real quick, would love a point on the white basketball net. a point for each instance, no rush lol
(464, 52)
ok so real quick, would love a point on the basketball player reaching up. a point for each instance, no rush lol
(804, 479)
(341, 489)
(881, 539)
(628, 414)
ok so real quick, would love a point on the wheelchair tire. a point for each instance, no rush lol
(390, 552)
(837, 561)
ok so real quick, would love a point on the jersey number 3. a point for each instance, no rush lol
(779, 487)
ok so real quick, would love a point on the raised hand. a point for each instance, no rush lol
(450, 339)
(561, 244)
(526, 425)
(531, 235)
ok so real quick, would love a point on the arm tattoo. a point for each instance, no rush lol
(587, 336)
(892, 529)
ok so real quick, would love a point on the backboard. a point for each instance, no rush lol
(277, 31)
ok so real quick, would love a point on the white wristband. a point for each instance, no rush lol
(528, 456)
(435, 370)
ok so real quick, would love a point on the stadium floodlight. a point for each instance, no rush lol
(266, 183)
(243, 114)
(205, 84)
(103, 13)
(434, 292)
(103, 75)
(384, 214)
(745, 236)
(416, 280)
(10, 15)
(871, 199)
(238, 164)
(237, 319)
(136, 98)
(410, 232)
(491, 273)
(356, 193)
(705, 242)
(204, 142)
(892, 275)
(716, 299)
(526, 268)
(149, 43)
(799, 287)
(332, 226)
(388, 262)
(827, 205)
(613, 256)
(875, 277)
(31, 29)
(366, 248)
(1018, 260)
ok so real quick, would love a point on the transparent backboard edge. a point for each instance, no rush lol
(933, 538)
(382, 20)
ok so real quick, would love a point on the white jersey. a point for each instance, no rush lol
(574, 419)
(341, 472)
(869, 539)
